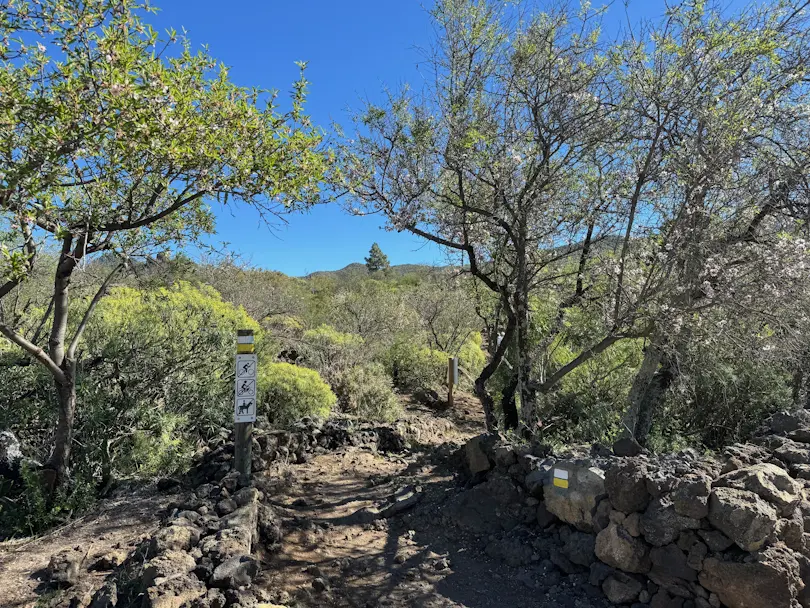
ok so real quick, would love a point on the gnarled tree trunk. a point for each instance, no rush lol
(65, 384)
(508, 404)
(487, 402)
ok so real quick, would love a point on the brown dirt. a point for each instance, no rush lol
(412, 560)
(114, 524)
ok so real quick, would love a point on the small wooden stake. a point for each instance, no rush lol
(450, 381)
(243, 431)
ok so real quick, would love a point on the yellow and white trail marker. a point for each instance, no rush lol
(561, 478)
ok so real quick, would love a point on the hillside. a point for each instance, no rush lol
(357, 270)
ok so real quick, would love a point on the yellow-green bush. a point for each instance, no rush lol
(171, 316)
(413, 366)
(331, 352)
(327, 336)
(284, 323)
(369, 394)
(471, 357)
(288, 393)
(162, 376)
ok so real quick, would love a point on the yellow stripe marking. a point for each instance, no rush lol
(561, 483)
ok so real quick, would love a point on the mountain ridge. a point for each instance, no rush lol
(358, 269)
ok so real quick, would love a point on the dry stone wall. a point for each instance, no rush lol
(680, 530)
(204, 554)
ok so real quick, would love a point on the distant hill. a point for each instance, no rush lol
(358, 270)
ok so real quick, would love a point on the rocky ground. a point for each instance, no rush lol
(105, 535)
(365, 523)
(452, 548)
(429, 512)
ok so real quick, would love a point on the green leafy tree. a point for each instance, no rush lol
(487, 159)
(377, 261)
(113, 141)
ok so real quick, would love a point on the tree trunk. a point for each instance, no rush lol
(652, 380)
(796, 387)
(524, 363)
(653, 397)
(508, 404)
(638, 391)
(487, 402)
(59, 459)
(521, 304)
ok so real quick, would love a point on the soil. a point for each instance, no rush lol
(411, 560)
(115, 525)
(331, 555)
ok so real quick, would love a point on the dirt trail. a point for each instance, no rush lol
(451, 549)
(413, 559)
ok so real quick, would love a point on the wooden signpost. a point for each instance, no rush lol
(244, 406)
(452, 378)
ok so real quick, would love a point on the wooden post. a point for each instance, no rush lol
(243, 431)
(450, 381)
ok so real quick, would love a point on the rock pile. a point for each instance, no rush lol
(297, 445)
(674, 531)
(201, 557)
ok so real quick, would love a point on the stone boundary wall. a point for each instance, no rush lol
(203, 554)
(729, 530)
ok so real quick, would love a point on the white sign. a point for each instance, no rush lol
(244, 408)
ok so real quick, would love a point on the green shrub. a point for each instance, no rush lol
(26, 509)
(471, 357)
(162, 377)
(284, 323)
(367, 392)
(588, 403)
(332, 352)
(413, 366)
(720, 399)
(288, 393)
(160, 448)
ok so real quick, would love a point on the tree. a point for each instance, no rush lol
(648, 181)
(445, 312)
(377, 260)
(717, 172)
(115, 142)
(489, 159)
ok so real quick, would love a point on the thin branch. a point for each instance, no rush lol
(102, 291)
(37, 334)
(150, 219)
(35, 351)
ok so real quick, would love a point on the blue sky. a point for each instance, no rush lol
(354, 48)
